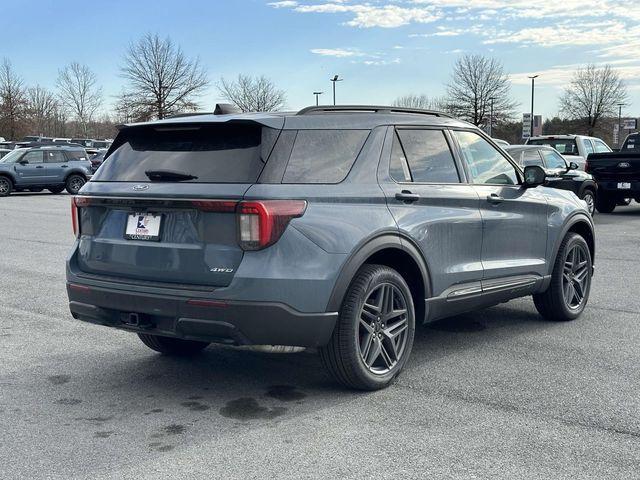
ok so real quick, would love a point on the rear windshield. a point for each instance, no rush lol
(566, 146)
(225, 153)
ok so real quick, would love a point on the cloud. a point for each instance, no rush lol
(283, 4)
(337, 52)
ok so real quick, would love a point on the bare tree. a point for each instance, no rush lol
(42, 108)
(79, 91)
(476, 83)
(421, 101)
(593, 94)
(13, 101)
(253, 94)
(161, 79)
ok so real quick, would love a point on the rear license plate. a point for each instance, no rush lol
(143, 226)
(624, 186)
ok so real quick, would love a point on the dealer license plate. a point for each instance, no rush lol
(624, 186)
(143, 226)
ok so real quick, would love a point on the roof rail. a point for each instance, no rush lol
(370, 108)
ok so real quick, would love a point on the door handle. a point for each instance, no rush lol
(407, 197)
(64, 166)
(495, 199)
(39, 166)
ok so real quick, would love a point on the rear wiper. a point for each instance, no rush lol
(168, 176)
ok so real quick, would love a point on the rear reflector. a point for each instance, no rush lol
(74, 218)
(79, 288)
(222, 206)
(261, 223)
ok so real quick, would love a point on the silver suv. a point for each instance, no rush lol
(339, 228)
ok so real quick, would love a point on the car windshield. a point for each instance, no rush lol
(566, 146)
(13, 156)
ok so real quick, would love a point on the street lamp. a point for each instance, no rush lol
(334, 80)
(533, 83)
(620, 105)
(317, 94)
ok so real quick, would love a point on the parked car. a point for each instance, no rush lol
(97, 159)
(52, 167)
(560, 173)
(617, 174)
(341, 228)
(574, 148)
(100, 144)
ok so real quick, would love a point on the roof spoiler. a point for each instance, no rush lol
(225, 109)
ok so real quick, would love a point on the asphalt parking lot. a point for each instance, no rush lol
(494, 394)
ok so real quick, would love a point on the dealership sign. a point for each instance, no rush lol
(630, 124)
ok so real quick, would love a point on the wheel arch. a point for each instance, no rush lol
(394, 251)
(74, 172)
(581, 225)
(9, 176)
(588, 185)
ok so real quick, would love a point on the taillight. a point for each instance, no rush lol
(261, 223)
(76, 203)
(74, 217)
(222, 206)
(586, 166)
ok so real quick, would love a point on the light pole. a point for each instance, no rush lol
(317, 94)
(533, 83)
(491, 99)
(334, 80)
(620, 105)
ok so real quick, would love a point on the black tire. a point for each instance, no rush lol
(56, 190)
(172, 346)
(589, 196)
(74, 183)
(344, 358)
(605, 203)
(6, 186)
(553, 304)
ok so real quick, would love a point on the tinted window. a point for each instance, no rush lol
(553, 159)
(429, 156)
(398, 169)
(53, 156)
(588, 148)
(77, 154)
(32, 157)
(485, 163)
(565, 146)
(530, 157)
(601, 147)
(226, 153)
(323, 156)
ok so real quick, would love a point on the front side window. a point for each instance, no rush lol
(553, 159)
(485, 164)
(429, 156)
(530, 157)
(32, 157)
(323, 156)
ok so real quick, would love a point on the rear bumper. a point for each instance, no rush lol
(611, 188)
(229, 322)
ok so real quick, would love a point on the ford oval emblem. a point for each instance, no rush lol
(624, 165)
(140, 187)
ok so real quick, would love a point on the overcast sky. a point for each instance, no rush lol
(382, 49)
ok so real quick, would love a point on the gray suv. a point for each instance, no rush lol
(52, 167)
(338, 228)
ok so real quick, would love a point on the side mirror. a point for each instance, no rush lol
(534, 176)
(573, 166)
(24, 162)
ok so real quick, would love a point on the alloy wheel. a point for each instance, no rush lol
(575, 277)
(4, 186)
(76, 184)
(590, 201)
(383, 328)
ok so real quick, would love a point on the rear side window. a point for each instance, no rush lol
(219, 153)
(530, 157)
(76, 155)
(601, 147)
(323, 156)
(54, 156)
(429, 156)
(588, 148)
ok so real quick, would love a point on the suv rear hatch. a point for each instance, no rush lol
(162, 206)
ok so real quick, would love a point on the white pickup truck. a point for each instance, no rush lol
(574, 148)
